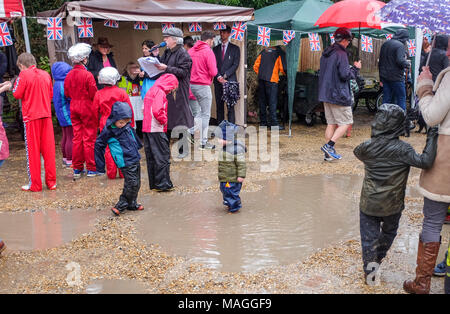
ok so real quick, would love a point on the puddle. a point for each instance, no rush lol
(283, 223)
(115, 287)
(42, 230)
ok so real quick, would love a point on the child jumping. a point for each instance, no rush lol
(232, 166)
(104, 100)
(154, 128)
(62, 109)
(124, 145)
(387, 162)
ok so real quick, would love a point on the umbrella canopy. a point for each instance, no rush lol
(352, 14)
(432, 14)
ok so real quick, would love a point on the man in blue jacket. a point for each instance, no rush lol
(334, 90)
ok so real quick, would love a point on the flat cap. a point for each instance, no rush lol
(173, 32)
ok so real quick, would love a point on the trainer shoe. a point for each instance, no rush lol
(2, 246)
(26, 188)
(138, 207)
(91, 174)
(191, 138)
(207, 146)
(330, 151)
(77, 173)
(441, 268)
(327, 157)
(52, 188)
(116, 211)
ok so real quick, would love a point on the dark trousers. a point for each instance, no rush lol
(377, 235)
(268, 97)
(139, 129)
(157, 152)
(231, 198)
(131, 186)
(220, 105)
(394, 91)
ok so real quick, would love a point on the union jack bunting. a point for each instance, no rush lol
(411, 47)
(388, 36)
(195, 27)
(54, 28)
(332, 38)
(263, 36)
(85, 28)
(219, 26)
(166, 26)
(238, 30)
(314, 41)
(111, 23)
(366, 43)
(141, 26)
(288, 36)
(5, 36)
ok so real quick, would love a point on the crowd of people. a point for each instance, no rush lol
(107, 118)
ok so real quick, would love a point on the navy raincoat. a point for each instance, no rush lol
(60, 101)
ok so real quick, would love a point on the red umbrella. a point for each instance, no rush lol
(352, 14)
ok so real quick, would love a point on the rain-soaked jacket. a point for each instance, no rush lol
(60, 101)
(123, 143)
(393, 62)
(104, 100)
(387, 162)
(232, 162)
(155, 104)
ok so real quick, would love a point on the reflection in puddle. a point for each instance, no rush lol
(284, 222)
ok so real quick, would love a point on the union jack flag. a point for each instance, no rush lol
(314, 41)
(366, 43)
(85, 28)
(195, 27)
(219, 26)
(54, 28)
(141, 26)
(411, 47)
(5, 36)
(263, 36)
(332, 38)
(288, 36)
(238, 30)
(388, 36)
(111, 23)
(166, 26)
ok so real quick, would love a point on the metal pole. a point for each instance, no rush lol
(25, 34)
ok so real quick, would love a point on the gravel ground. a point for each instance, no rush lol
(113, 251)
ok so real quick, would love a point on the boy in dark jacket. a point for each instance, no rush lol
(438, 59)
(124, 146)
(232, 166)
(387, 162)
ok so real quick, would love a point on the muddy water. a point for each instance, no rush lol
(284, 222)
(41, 230)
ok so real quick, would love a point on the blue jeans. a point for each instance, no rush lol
(231, 195)
(394, 91)
(268, 97)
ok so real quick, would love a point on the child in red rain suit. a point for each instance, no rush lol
(34, 88)
(104, 100)
(80, 87)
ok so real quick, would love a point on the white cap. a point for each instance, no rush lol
(79, 52)
(108, 76)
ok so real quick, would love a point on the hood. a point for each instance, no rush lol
(389, 121)
(228, 130)
(200, 45)
(60, 70)
(332, 49)
(401, 35)
(441, 42)
(167, 82)
(120, 110)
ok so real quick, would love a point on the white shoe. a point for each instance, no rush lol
(26, 187)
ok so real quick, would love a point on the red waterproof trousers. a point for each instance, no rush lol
(85, 125)
(39, 139)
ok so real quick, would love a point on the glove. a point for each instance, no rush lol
(432, 131)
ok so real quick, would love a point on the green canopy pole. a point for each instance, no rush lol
(292, 56)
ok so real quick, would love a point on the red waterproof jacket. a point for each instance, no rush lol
(80, 87)
(106, 98)
(155, 104)
(34, 87)
(204, 65)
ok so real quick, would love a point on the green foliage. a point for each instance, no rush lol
(44, 64)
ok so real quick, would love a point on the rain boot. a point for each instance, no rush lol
(426, 260)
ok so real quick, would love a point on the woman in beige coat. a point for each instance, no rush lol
(435, 182)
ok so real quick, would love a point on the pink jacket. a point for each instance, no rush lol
(155, 104)
(204, 66)
(4, 149)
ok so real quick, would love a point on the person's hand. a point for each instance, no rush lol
(240, 180)
(161, 67)
(6, 86)
(357, 64)
(433, 131)
(425, 75)
(221, 80)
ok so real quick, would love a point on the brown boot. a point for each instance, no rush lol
(426, 260)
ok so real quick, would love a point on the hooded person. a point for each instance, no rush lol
(81, 88)
(62, 110)
(231, 167)
(438, 59)
(124, 145)
(104, 100)
(392, 65)
(387, 162)
(154, 128)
